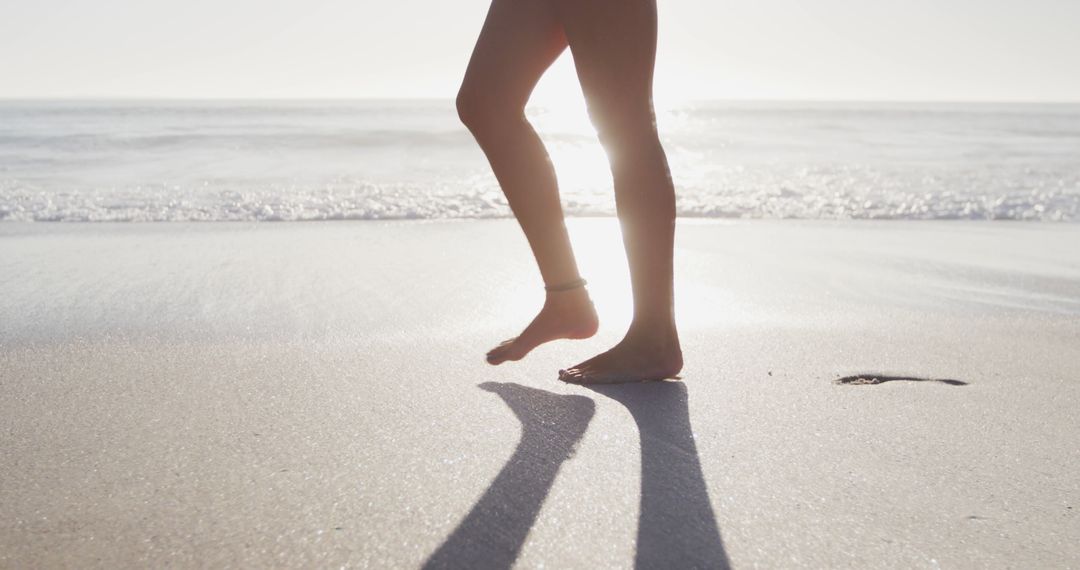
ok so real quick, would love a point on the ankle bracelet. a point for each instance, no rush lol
(565, 286)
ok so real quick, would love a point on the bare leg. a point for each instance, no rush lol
(614, 47)
(519, 41)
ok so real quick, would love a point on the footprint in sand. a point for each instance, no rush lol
(873, 379)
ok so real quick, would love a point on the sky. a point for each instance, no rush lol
(937, 50)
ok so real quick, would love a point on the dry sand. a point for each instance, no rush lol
(315, 395)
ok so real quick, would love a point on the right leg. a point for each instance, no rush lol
(519, 41)
(614, 46)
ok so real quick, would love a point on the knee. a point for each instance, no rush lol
(469, 108)
(631, 144)
(482, 112)
(625, 129)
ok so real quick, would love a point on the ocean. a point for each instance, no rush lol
(87, 161)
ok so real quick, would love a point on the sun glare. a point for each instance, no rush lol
(598, 248)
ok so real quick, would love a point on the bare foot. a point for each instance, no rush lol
(637, 358)
(566, 314)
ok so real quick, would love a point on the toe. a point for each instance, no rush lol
(500, 353)
(496, 356)
(575, 375)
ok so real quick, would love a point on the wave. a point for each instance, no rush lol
(408, 202)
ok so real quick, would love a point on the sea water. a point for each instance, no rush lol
(367, 160)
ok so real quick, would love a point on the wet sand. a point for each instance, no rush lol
(897, 394)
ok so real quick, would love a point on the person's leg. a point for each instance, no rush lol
(519, 41)
(614, 48)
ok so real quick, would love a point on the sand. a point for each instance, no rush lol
(315, 395)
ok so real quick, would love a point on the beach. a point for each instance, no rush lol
(855, 395)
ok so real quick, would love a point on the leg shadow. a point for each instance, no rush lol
(871, 378)
(677, 527)
(492, 534)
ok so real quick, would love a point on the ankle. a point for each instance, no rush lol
(658, 333)
(572, 298)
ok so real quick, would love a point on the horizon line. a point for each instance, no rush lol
(136, 98)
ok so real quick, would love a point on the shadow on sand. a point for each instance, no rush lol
(492, 534)
(871, 378)
(676, 527)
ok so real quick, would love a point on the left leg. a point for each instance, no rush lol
(519, 41)
(614, 47)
